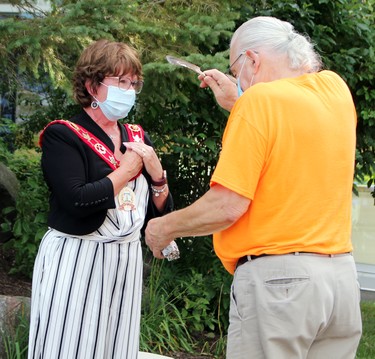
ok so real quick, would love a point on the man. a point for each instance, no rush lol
(279, 202)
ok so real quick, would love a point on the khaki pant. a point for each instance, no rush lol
(295, 307)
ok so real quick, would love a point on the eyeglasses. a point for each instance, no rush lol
(229, 71)
(125, 83)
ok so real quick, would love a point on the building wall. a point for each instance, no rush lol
(7, 10)
(363, 237)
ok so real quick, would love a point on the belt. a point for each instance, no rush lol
(250, 258)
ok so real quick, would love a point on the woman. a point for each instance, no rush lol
(105, 182)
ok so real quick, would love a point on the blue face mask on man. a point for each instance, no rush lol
(239, 88)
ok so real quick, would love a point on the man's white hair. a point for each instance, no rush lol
(277, 37)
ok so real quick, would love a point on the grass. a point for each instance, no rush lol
(15, 334)
(15, 340)
(366, 349)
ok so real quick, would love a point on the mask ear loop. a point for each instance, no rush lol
(94, 104)
(252, 79)
(239, 88)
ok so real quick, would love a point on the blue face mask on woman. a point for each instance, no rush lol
(118, 103)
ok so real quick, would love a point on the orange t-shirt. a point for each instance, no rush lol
(289, 146)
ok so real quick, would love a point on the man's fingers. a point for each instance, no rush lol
(212, 83)
(158, 254)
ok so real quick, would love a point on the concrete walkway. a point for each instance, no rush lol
(143, 355)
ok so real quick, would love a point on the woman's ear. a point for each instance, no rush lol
(90, 89)
(254, 58)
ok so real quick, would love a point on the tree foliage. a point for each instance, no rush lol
(182, 117)
(183, 120)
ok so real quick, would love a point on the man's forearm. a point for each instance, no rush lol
(205, 216)
(217, 210)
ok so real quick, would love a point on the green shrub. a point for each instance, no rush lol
(183, 309)
(31, 209)
(163, 328)
(20, 152)
(212, 282)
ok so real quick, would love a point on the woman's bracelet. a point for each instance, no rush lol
(156, 191)
(162, 181)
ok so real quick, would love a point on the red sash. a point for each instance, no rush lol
(135, 134)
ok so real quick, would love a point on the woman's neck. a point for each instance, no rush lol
(109, 127)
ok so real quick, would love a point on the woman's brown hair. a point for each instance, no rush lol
(103, 58)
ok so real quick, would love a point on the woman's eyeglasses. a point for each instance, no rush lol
(125, 83)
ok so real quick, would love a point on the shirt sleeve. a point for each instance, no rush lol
(66, 169)
(244, 148)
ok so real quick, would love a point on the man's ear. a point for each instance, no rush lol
(254, 57)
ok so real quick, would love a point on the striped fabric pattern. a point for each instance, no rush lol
(86, 297)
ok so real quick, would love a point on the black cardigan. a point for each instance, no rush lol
(80, 192)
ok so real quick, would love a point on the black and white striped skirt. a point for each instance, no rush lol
(86, 299)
